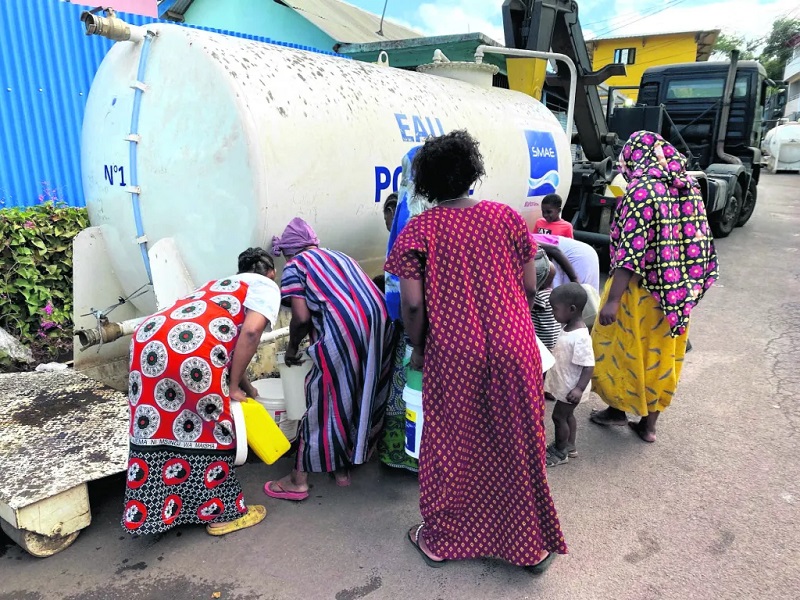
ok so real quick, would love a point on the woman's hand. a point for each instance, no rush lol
(293, 358)
(238, 394)
(417, 359)
(608, 313)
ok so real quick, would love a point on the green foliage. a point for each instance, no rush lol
(36, 275)
(776, 50)
(726, 43)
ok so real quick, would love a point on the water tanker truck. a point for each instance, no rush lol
(197, 145)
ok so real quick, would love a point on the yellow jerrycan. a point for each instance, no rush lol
(263, 435)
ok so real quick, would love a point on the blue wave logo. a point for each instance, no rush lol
(544, 177)
(550, 178)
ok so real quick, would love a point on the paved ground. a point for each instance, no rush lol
(711, 511)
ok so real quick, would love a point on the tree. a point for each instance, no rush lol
(727, 42)
(777, 51)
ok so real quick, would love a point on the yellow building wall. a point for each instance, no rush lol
(650, 52)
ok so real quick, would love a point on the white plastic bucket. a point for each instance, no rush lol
(548, 360)
(240, 430)
(414, 420)
(294, 385)
(270, 396)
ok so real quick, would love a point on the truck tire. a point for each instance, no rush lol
(726, 220)
(749, 204)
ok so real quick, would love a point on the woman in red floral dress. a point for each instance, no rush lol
(188, 362)
(467, 279)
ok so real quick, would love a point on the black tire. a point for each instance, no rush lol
(749, 204)
(725, 221)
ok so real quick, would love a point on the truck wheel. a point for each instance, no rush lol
(723, 224)
(749, 204)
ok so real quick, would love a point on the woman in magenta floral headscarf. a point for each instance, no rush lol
(662, 262)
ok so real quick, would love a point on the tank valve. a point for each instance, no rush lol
(110, 26)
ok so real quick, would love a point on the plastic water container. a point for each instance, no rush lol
(412, 396)
(240, 427)
(548, 360)
(270, 396)
(294, 385)
(263, 435)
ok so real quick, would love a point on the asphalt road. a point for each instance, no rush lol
(710, 511)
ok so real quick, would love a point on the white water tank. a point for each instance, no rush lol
(782, 145)
(237, 137)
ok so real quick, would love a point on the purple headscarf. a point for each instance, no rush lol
(297, 235)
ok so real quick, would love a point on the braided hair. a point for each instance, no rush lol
(256, 260)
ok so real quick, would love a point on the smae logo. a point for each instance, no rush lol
(542, 153)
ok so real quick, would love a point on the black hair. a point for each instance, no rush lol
(256, 260)
(380, 282)
(391, 202)
(570, 294)
(447, 166)
(552, 200)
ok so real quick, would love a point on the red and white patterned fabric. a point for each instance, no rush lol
(182, 437)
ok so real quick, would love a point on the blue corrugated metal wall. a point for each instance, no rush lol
(46, 68)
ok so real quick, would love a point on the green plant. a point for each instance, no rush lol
(36, 274)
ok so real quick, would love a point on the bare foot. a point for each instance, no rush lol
(642, 431)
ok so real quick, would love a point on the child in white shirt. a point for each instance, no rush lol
(569, 381)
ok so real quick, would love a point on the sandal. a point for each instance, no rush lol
(282, 494)
(542, 566)
(572, 451)
(344, 482)
(414, 541)
(254, 515)
(597, 417)
(555, 457)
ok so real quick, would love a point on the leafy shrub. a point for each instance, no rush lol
(36, 276)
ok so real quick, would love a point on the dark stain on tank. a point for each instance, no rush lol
(98, 457)
(282, 111)
(46, 408)
(301, 76)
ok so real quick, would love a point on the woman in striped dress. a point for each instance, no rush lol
(337, 304)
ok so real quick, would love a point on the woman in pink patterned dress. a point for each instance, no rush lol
(467, 279)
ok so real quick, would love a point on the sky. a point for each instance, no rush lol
(751, 19)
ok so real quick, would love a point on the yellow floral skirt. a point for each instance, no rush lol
(638, 362)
